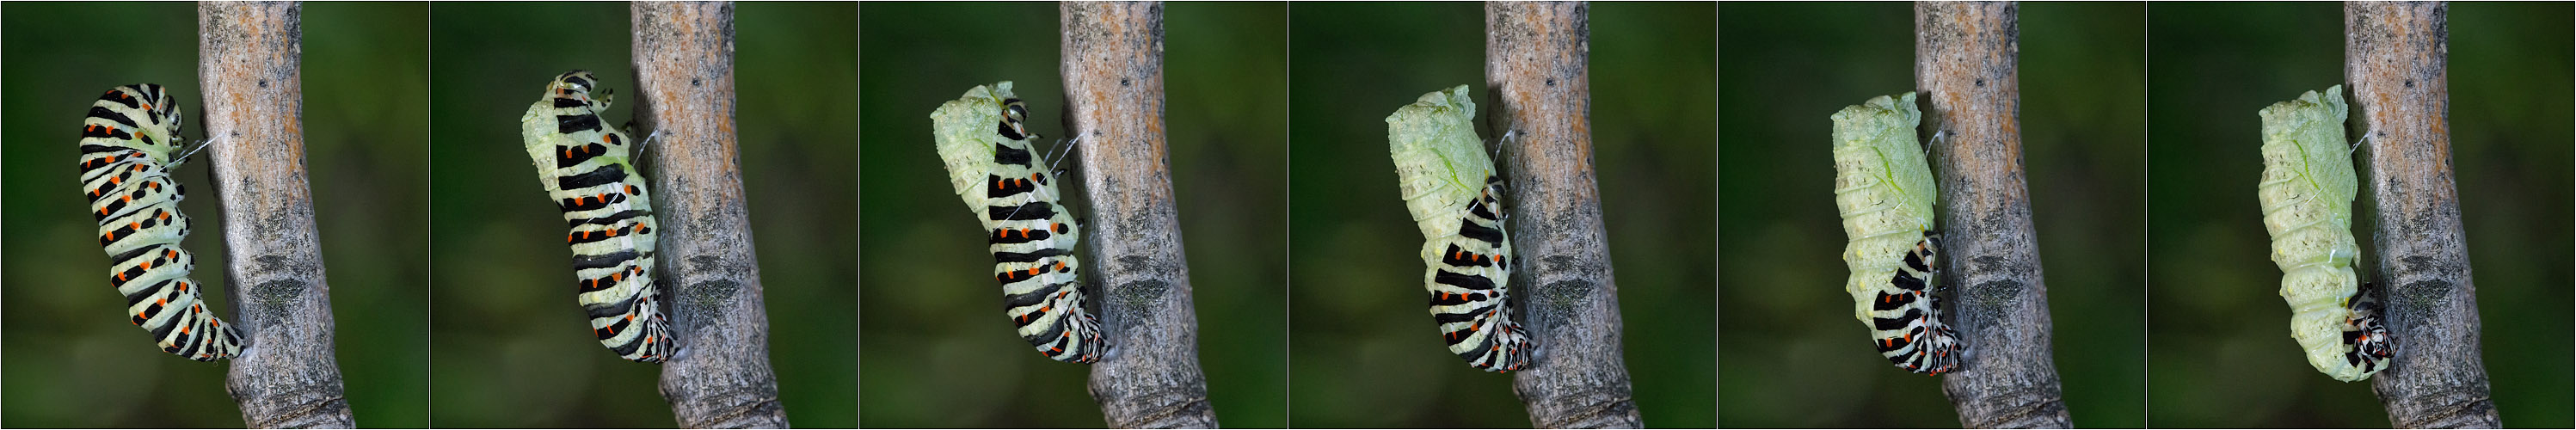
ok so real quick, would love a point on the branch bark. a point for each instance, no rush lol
(248, 55)
(1113, 84)
(720, 378)
(1965, 54)
(2395, 56)
(1541, 91)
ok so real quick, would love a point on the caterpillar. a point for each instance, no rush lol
(984, 140)
(1455, 197)
(1884, 190)
(125, 167)
(584, 166)
(2307, 192)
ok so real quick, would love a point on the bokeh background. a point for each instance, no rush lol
(71, 361)
(1365, 353)
(1792, 356)
(511, 348)
(2220, 354)
(936, 350)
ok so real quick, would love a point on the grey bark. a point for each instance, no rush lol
(1540, 91)
(248, 55)
(1965, 54)
(2395, 57)
(1113, 85)
(720, 378)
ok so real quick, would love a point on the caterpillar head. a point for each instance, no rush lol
(577, 85)
(1015, 114)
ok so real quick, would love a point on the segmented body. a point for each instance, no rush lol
(1450, 186)
(985, 144)
(2307, 191)
(125, 170)
(583, 164)
(1884, 190)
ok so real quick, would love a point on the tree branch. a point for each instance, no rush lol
(2394, 55)
(248, 55)
(720, 378)
(1536, 75)
(1113, 84)
(1965, 55)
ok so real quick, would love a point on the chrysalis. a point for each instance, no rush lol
(1456, 198)
(1884, 190)
(2307, 191)
(985, 142)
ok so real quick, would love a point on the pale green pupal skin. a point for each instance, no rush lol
(1875, 155)
(2307, 192)
(1438, 159)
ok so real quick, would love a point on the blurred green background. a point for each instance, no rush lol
(2221, 357)
(938, 352)
(511, 348)
(1365, 352)
(1792, 354)
(71, 361)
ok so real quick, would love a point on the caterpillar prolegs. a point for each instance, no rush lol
(1884, 190)
(125, 168)
(2307, 191)
(1450, 186)
(583, 165)
(983, 140)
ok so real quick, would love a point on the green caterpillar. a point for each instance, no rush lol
(1884, 190)
(2307, 192)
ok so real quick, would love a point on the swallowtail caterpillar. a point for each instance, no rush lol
(984, 139)
(1884, 189)
(583, 164)
(2307, 192)
(1450, 186)
(125, 168)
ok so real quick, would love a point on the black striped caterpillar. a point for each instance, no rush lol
(2307, 191)
(1450, 186)
(584, 166)
(1884, 190)
(983, 140)
(125, 167)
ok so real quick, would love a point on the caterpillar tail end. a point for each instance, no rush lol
(2365, 339)
(1080, 344)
